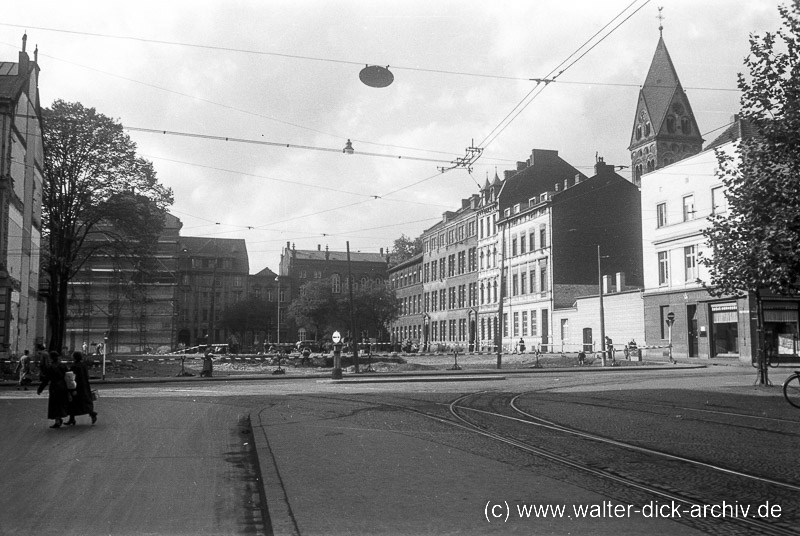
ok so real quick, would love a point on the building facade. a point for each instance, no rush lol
(213, 275)
(21, 177)
(555, 224)
(406, 279)
(705, 326)
(122, 304)
(450, 279)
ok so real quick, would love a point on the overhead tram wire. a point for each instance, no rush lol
(494, 133)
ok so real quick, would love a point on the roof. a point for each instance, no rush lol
(355, 256)
(10, 83)
(660, 85)
(739, 129)
(234, 248)
(546, 169)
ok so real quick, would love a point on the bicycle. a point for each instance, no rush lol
(791, 389)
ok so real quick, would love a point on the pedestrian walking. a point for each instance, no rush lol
(58, 397)
(208, 364)
(581, 358)
(24, 371)
(81, 403)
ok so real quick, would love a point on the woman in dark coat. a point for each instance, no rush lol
(58, 399)
(81, 403)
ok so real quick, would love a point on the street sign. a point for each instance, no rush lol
(336, 337)
(670, 318)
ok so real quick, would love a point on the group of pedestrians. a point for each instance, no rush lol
(69, 391)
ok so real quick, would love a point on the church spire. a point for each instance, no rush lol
(664, 128)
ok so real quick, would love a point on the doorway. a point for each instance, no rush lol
(691, 315)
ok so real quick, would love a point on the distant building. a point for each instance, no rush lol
(406, 279)
(128, 305)
(450, 279)
(299, 266)
(213, 275)
(21, 175)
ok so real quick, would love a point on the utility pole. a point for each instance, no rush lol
(352, 316)
(602, 312)
(500, 324)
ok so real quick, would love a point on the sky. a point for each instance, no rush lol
(280, 80)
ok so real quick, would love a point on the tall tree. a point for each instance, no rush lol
(99, 199)
(251, 315)
(374, 308)
(754, 245)
(317, 308)
(406, 247)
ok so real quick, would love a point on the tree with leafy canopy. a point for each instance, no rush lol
(252, 315)
(99, 198)
(406, 247)
(375, 307)
(316, 309)
(754, 246)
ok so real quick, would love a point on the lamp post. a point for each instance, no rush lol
(278, 298)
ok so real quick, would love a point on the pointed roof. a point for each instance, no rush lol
(660, 85)
(496, 181)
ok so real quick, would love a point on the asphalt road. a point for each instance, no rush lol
(368, 458)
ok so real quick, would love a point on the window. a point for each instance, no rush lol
(663, 267)
(688, 208)
(534, 328)
(719, 203)
(507, 212)
(524, 324)
(543, 237)
(522, 245)
(647, 128)
(505, 324)
(686, 125)
(336, 284)
(516, 324)
(522, 280)
(661, 215)
(671, 124)
(543, 279)
(514, 247)
(442, 268)
(533, 282)
(443, 299)
(433, 301)
(451, 265)
(462, 262)
(690, 254)
(532, 241)
(514, 285)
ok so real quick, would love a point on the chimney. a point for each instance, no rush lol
(288, 246)
(22, 68)
(294, 252)
(620, 281)
(319, 247)
(464, 203)
(600, 166)
(327, 253)
(521, 165)
(607, 288)
(381, 252)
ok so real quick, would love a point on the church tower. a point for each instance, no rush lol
(664, 128)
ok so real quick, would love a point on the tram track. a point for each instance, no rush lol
(641, 480)
(654, 473)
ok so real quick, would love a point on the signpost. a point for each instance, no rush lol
(670, 321)
(337, 355)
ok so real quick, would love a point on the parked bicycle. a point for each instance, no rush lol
(791, 389)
